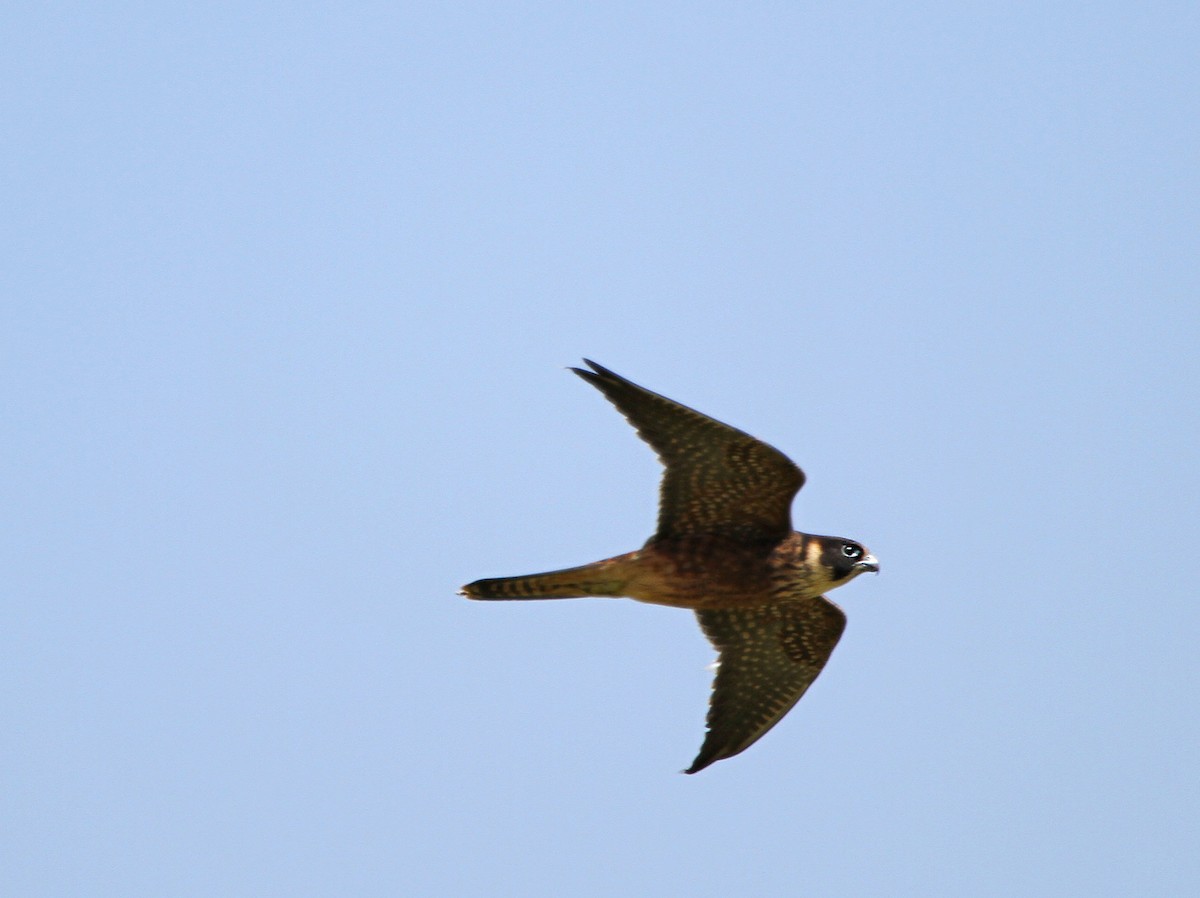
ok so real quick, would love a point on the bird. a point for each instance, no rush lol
(724, 548)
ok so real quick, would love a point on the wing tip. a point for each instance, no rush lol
(600, 377)
(706, 758)
(598, 370)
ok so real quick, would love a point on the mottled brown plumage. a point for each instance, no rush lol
(717, 481)
(725, 548)
(768, 657)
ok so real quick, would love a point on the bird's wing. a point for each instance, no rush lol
(769, 656)
(718, 480)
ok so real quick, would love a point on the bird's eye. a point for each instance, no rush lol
(851, 551)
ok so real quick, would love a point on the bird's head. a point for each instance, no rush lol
(841, 560)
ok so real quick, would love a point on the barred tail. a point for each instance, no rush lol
(601, 578)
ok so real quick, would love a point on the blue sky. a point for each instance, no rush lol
(289, 295)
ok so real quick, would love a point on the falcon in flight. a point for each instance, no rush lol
(724, 548)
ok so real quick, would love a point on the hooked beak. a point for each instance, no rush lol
(869, 563)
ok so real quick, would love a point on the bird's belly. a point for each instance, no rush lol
(699, 579)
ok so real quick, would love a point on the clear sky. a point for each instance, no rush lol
(289, 291)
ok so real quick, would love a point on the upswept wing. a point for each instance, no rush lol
(717, 479)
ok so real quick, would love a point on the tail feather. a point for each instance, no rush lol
(601, 578)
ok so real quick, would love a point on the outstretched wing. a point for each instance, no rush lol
(769, 656)
(718, 480)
